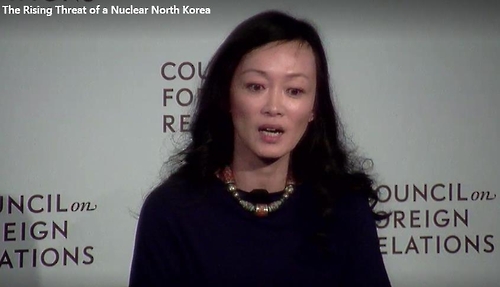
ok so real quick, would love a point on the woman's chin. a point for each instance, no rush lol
(272, 157)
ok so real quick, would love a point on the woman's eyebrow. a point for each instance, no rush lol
(263, 73)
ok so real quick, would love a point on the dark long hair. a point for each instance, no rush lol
(321, 158)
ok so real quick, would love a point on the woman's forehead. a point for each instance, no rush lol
(294, 58)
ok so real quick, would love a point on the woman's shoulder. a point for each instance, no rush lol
(356, 234)
(353, 201)
(169, 190)
(352, 210)
(179, 195)
(165, 197)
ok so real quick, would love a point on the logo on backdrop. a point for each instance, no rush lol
(435, 219)
(15, 232)
(188, 74)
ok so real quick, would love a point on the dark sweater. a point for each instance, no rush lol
(190, 238)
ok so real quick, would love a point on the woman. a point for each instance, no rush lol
(265, 194)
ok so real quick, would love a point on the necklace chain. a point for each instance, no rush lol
(259, 209)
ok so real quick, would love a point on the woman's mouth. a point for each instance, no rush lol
(271, 131)
(270, 134)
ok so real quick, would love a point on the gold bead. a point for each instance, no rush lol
(231, 187)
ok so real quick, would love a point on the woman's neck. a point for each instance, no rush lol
(259, 174)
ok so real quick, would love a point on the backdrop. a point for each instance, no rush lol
(92, 104)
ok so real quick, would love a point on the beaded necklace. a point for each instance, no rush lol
(259, 209)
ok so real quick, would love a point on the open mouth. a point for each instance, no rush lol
(271, 131)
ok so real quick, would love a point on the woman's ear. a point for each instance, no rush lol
(311, 118)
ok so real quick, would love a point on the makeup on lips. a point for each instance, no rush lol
(270, 133)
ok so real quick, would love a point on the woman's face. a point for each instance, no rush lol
(272, 100)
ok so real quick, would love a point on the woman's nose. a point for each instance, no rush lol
(273, 105)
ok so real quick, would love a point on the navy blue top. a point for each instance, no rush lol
(190, 238)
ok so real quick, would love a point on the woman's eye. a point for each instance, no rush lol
(254, 87)
(295, 92)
